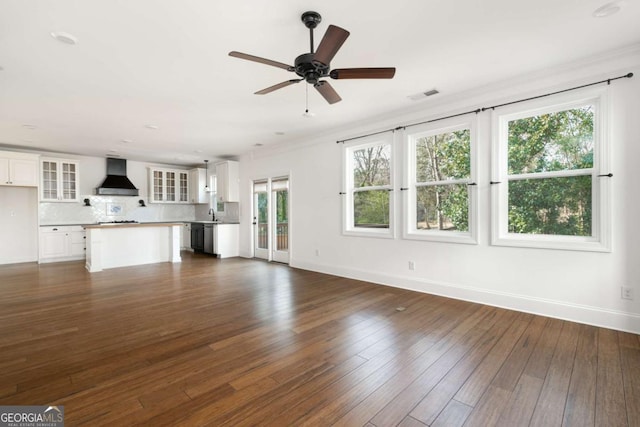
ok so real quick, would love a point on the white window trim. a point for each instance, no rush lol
(600, 241)
(410, 231)
(348, 227)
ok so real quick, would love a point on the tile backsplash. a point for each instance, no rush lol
(113, 208)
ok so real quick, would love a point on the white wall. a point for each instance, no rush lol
(580, 286)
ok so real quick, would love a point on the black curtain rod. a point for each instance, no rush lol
(493, 107)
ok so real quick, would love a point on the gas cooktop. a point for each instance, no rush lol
(127, 221)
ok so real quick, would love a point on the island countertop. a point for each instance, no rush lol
(113, 245)
(133, 224)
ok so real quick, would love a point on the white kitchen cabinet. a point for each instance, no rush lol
(226, 240)
(227, 181)
(18, 169)
(59, 180)
(168, 186)
(186, 236)
(197, 184)
(62, 243)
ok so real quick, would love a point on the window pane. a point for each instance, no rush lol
(262, 201)
(371, 209)
(282, 220)
(556, 206)
(444, 156)
(371, 166)
(442, 207)
(552, 142)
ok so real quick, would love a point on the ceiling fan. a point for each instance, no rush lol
(316, 65)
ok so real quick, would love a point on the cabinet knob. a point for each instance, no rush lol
(55, 229)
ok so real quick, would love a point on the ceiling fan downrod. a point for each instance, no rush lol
(311, 20)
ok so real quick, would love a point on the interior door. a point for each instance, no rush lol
(261, 219)
(280, 213)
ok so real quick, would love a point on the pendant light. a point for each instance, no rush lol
(206, 176)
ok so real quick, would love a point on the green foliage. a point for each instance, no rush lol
(441, 158)
(548, 143)
(371, 209)
(372, 167)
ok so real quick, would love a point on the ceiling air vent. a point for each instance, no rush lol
(421, 95)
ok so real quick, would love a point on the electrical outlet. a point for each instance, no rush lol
(412, 265)
(627, 292)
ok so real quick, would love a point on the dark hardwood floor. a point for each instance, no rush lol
(242, 342)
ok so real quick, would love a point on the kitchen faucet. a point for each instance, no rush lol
(213, 214)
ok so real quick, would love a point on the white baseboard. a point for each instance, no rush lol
(596, 316)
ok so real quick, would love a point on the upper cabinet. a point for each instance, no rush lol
(197, 184)
(227, 177)
(18, 169)
(60, 180)
(168, 186)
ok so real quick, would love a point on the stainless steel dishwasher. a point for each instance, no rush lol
(208, 239)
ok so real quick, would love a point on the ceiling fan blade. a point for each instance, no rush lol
(261, 60)
(327, 91)
(276, 87)
(330, 44)
(363, 73)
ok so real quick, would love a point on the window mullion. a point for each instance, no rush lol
(553, 174)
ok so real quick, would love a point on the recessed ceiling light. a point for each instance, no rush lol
(153, 127)
(126, 141)
(65, 38)
(197, 151)
(279, 133)
(30, 127)
(607, 9)
(258, 145)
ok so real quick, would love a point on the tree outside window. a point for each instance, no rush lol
(546, 202)
(369, 185)
(549, 189)
(440, 202)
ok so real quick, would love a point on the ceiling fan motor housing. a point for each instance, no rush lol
(308, 70)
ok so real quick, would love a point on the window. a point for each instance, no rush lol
(548, 158)
(440, 200)
(368, 188)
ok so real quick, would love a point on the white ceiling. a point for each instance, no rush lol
(166, 63)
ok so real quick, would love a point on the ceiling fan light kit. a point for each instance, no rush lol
(316, 65)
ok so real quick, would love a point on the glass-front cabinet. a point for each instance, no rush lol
(169, 186)
(59, 181)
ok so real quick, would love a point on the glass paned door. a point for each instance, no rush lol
(280, 203)
(261, 219)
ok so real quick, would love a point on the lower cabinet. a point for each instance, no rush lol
(197, 237)
(219, 239)
(62, 243)
(186, 236)
(226, 240)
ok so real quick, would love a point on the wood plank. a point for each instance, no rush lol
(417, 378)
(437, 399)
(551, 402)
(479, 381)
(610, 403)
(243, 342)
(580, 407)
(630, 361)
(453, 415)
(519, 409)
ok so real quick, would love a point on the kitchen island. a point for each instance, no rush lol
(123, 245)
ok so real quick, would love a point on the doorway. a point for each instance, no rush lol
(271, 219)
